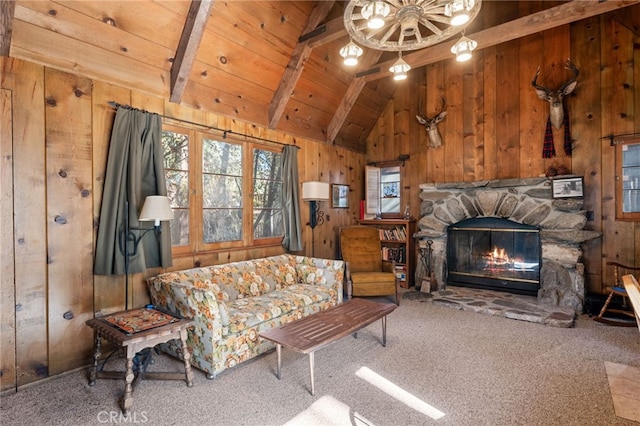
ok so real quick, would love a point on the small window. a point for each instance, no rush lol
(383, 191)
(628, 179)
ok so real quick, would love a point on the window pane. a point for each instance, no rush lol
(267, 223)
(176, 150)
(631, 178)
(180, 227)
(222, 225)
(267, 164)
(221, 158)
(390, 189)
(176, 163)
(221, 191)
(178, 188)
(267, 194)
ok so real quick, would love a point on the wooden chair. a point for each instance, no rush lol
(617, 290)
(362, 251)
(633, 291)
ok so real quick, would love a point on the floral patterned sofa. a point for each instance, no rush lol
(231, 303)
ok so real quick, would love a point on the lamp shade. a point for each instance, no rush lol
(156, 208)
(315, 191)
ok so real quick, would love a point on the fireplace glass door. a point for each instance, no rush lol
(495, 254)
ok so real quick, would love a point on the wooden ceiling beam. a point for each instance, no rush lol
(544, 20)
(190, 39)
(350, 97)
(294, 68)
(7, 10)
(325, 33)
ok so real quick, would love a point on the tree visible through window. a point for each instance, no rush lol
(224, 193)
(267, 194)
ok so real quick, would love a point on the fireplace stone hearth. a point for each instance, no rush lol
(527, 201)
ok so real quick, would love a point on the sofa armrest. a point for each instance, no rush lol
(195, 303)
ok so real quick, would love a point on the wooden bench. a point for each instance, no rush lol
(633, 292)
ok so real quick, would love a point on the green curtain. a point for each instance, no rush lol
(292, 240)
(134, 170)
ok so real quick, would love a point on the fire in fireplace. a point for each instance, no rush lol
(494, 253)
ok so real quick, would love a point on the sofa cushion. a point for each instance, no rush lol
(250, 312)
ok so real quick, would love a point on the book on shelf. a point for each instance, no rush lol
(401, 272)
(394, 254)
(399, 233)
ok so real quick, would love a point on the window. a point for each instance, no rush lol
(383, 191)
(628, 179)
(225, 193)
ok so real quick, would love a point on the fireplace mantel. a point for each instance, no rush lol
(527, 201)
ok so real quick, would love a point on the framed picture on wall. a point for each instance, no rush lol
(339, 196)
(567, 187)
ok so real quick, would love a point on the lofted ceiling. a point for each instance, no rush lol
(271, 63)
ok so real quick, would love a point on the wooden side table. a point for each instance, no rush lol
(136, 330)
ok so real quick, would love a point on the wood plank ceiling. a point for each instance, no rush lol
(272, 63)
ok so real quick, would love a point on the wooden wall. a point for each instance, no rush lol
(55, 131)
(495, 123)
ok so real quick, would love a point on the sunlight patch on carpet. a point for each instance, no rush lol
(624, 383)
(398, 393)
(328, 411)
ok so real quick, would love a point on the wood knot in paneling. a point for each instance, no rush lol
(60, 220)
(62, 173)
(52, 12)
(85, 193)
(109, 21)
(51, 101)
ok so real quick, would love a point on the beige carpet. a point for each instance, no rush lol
(441, 366)
(624, 383)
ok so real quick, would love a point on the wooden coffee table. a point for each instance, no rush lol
(316, 331)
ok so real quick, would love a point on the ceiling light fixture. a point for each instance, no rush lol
(400, 68)
(396, 26)
(351, 52)
(463, 48)
(459, 10)
(375, 12)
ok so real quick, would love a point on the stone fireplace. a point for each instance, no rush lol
(559, 222)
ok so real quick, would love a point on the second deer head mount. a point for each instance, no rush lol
(555, 97)
(431, 124)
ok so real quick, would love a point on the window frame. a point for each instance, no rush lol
(196, 193)
(620, 214)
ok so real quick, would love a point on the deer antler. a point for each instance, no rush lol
(569, 66)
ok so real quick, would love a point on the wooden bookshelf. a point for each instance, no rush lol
(396, 238)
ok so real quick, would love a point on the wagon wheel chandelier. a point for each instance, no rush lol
(405, 25)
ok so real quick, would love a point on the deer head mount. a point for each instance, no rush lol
(431, 124)
(555, 97)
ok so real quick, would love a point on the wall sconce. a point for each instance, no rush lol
(313, 192)
(156, 208)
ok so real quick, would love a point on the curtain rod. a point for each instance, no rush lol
(224, 132)
(614, 138)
